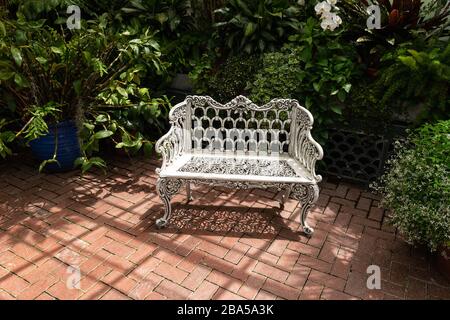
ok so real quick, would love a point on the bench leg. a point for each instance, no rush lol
(166, 188)
(307, 195)
(188, 192)
(284, 197)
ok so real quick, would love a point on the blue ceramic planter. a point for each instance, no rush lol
(68, 146)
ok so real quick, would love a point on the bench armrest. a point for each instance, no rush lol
(172, 144)
(303, 147)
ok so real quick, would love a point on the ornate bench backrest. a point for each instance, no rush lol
(239, 125)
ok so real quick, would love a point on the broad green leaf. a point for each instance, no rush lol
(4, 150)
(122, 91)
(317, 86)
(7, 136)
(138, 4)
(250, 29)
(41, 60)
(21, 37)
(20, 81)
(97, 161)
(113, 127)
(161, 17)
(85, 166)
(341, 96)
(89, 126)
(87, 56)
(78, 161)
(103, 134)
(101, 118)
(143, 92)
(6, 75)
(129, 10)
(347, 87)
(244, 7)
(336, 109)
(276, 14)
(17, 56)
(94, 161)
(57, 50)
(408, 61)
(416, 55)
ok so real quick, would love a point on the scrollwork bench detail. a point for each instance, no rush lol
(240, 145)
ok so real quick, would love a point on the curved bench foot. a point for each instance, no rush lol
(161, 223)
(166, 188)
(308, 230)
(307, 195)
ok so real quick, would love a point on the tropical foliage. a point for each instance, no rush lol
(112, 75)
(401, 21)
(316, 68)
(257, 26)
(418, 77)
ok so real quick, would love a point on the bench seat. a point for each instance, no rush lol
(233, 167)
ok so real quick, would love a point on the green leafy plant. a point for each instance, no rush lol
(172, 17)
(228, 79)
(317, 68)
(257, 25)
(414, 77)
(78, 73)
(416, 186)
(401, 21)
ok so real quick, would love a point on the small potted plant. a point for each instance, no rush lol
(416, 188)
(65, 85)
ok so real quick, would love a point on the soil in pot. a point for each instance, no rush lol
(68, 146)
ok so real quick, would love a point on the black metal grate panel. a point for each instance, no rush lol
(358, 156)
(355, 156)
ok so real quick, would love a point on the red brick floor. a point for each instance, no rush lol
(224, 245)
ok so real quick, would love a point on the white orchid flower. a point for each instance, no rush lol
(336, 19)
(328, 25)
(332, 18)
(332, 26)
(324, 24)
(332, 2)
(322, 8)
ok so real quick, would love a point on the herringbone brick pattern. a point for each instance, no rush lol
(223, 245)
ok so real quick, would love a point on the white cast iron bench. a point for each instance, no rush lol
(240, 145)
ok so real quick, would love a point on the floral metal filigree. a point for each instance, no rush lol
(271, 168)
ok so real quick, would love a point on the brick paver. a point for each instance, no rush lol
(99, 228)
